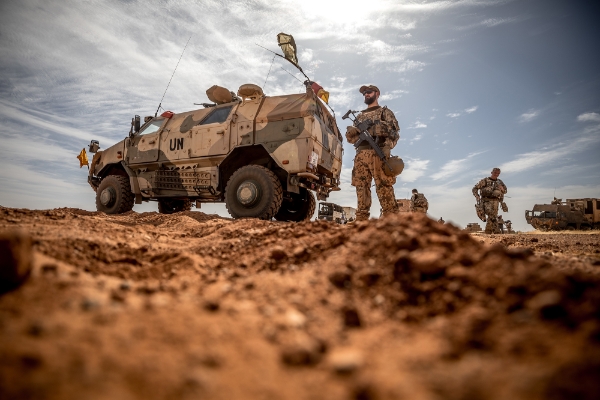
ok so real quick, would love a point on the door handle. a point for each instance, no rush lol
(152, 142)
(221, 132)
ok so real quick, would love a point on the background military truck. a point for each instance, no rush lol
(332, 212)
(261, 155)
(574, 214)
(473, 227)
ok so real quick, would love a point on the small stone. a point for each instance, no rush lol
(299, 251)
(345, 361)
(379, 299)
(278, 253)
(544, 299)
(211, 305)
(15, 259)
(295, 319)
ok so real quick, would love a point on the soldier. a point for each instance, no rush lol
(441, 220)
(509, 226)
(367, 165)
(418, 202)
(500, 223)
(489, 192)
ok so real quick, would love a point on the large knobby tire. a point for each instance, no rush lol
(253, 191)
(301, 207)
(114, 195)
(170, 206)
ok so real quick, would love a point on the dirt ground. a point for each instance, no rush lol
(190, 306)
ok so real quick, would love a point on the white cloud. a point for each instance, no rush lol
(590, 116)
(529, 115)
(453, 115)
(414, 169)
(417, 125)
(453, 167)
(471, 109)
(489, 23)
(391, 95)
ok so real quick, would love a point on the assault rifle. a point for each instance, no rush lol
(366, 136)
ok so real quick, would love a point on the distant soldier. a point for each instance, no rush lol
(556, 202)
(500, 222)
(418, 202)
(509, 226)
(367, 165)
(489, 192)
(441, 220)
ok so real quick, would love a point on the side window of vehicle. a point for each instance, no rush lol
(152, 126)
(218, 116)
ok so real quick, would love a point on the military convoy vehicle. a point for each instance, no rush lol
(333, 212)
(263, 156)
(473, 227)
(573, 214)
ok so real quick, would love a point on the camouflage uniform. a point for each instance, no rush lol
(368, 166)
(418, 203)
(492, 192)
(508, 226)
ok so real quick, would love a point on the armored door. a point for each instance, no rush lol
(211, 136)
(144, 146)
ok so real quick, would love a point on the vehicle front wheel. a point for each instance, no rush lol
(300, 207)
(170, 206)
(253, 191)
(114, 195)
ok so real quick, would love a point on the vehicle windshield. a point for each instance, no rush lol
(152, 127)
(544, 214)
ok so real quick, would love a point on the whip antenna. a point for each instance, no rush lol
(163, 96)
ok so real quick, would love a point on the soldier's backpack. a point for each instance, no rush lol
(421, 201)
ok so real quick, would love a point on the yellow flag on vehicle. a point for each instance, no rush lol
(288, 46)
(83, 160)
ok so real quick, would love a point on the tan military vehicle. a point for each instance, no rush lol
(473, 227)
(261, 155)
(573, 214)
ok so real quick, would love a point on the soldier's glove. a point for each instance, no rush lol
(386, 151)
(352, 134)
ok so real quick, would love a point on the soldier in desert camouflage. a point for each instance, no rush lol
(418, 202)
(489, 192)
(367, 165)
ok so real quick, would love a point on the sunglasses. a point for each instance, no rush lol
(368, 92)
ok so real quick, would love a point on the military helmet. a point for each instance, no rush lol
(396, 164)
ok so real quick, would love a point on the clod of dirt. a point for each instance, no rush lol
(15, 259)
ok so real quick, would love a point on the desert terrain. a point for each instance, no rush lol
(196, 306)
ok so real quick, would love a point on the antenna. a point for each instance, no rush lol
(268, 73)
(163, 96)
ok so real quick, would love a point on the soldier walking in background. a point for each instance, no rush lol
(489, 192)
(367, 165)
(500, 224)
(509, 226)
(418, 202)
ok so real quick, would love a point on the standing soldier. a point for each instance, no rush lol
(509, 226)
(367, 165)
(489, 192)
(418, 202)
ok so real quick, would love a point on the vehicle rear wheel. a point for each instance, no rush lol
(170, 206)
(301, 207)
(253, 191)
(114, 195)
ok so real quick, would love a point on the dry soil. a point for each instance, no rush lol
(194, 306)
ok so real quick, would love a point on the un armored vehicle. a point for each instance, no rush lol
(263, 156)
(574, 214)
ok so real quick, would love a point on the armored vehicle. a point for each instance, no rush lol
(332, 212)
(473, 227)
(263, 156)
(574, 214)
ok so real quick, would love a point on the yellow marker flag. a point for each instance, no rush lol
(83, 160)
(324, 95)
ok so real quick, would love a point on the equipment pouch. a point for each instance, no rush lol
(504, 207)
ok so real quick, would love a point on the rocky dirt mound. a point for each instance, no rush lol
(198, 306)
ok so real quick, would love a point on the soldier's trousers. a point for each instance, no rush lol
(368, 166)
(419, 210)
(490, 208)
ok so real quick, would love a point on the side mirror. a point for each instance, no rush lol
(136, 126)
(94, 146)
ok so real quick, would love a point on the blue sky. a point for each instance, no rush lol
(474, 84)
